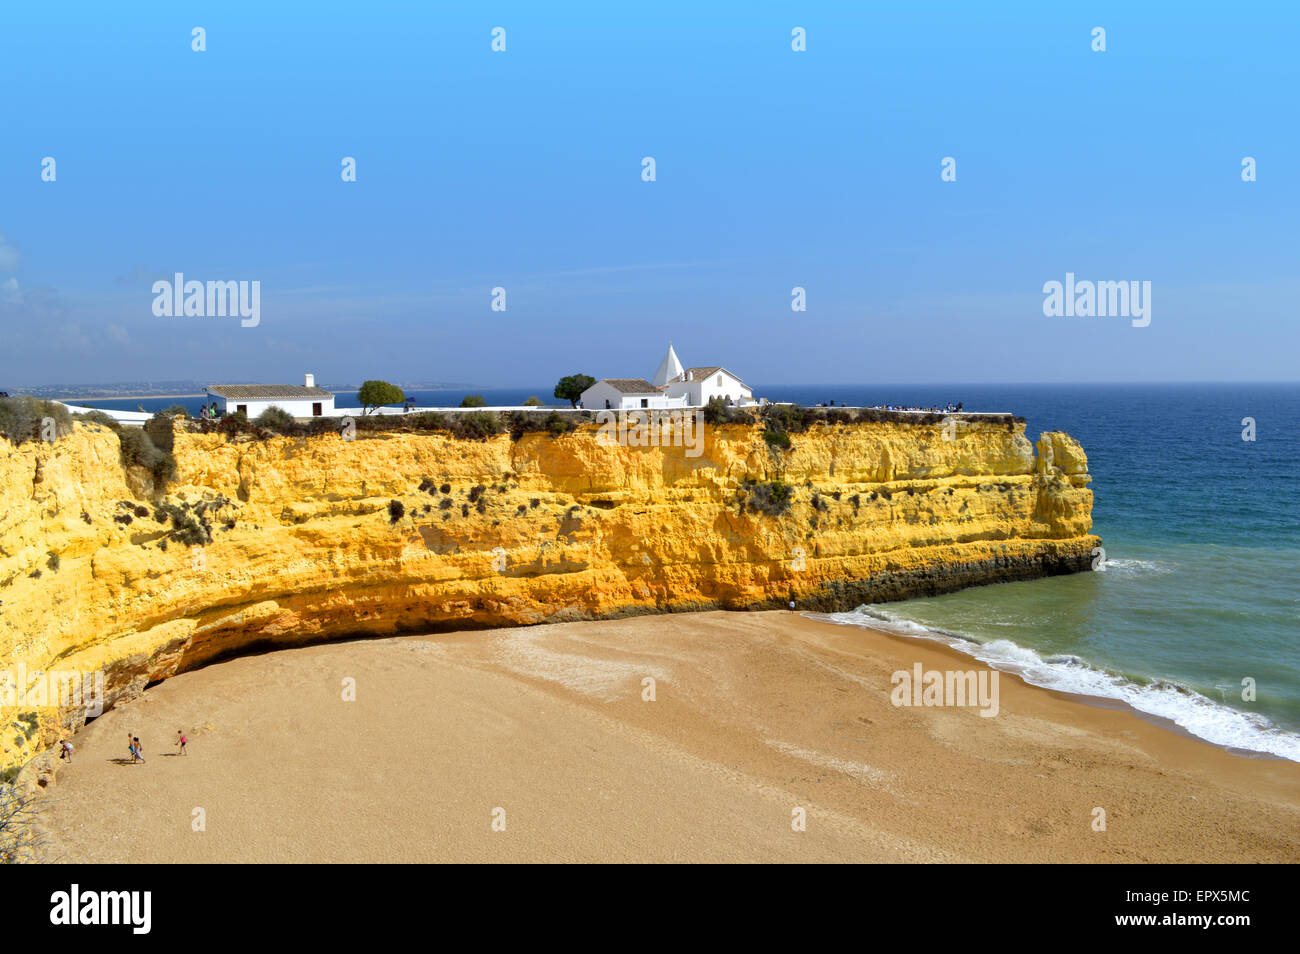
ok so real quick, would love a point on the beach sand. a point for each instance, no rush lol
(755, 715)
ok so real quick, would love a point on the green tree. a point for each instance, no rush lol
(375, 394)
(473, 400)
(571, 387)
(534, 401)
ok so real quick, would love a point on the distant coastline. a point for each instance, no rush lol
(131, 397)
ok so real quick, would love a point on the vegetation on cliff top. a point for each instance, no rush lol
(150, 447)
(21, 419)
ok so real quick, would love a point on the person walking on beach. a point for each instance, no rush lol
(139, 749)
(181, 740)
(130, 745)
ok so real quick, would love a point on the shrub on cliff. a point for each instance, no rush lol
(772, 498)
(782, 420)
(478, 426)
(788, 418)
(20, 836)
(21, 418)
(557, 424)
(276, 418)
(428, 421)
(534, 402)
(777, 439)
(519, 423)
(473, 400)
(396, 510)
(323, 425)
(236, 423)
(139, 450)
(99, 417)
(190, 529)
(159, 429)
(717, 411)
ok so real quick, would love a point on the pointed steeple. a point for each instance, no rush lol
(669, 368)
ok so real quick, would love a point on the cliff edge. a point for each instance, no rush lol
(263, 544)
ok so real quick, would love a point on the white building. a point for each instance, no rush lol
(673, 387)
(699, 386)
(669, 368)
(627, 394)
(300, 400)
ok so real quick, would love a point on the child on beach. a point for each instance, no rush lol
(65, 750)
(138, 748)
(181, 740)
(130, 745)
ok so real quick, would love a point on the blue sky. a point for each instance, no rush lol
(522, 169)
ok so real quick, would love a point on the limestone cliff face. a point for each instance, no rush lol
(305, 545)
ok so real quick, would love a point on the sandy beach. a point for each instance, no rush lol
(546, 731)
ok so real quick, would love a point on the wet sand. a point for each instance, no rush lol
(755, 717)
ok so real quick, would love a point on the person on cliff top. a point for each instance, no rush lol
(181, 740)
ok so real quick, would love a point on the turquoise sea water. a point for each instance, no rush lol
(1201, 584)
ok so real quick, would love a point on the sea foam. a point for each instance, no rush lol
(1200, 716)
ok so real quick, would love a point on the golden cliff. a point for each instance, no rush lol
(305, 544)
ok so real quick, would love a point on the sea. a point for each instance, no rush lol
(1193, 619)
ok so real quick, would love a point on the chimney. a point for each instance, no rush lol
(309, 380)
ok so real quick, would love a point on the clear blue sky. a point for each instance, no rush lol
(522, 169)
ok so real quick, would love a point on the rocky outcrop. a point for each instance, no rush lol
(298, 540)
